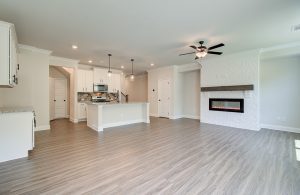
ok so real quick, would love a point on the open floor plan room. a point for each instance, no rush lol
(163, 157)
(150, 97)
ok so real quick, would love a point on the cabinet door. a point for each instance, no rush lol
(117, 82)
(13, 57)
(81, 111)
(89, 80)
(81, 80)
(103, 76)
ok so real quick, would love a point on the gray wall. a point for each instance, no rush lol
(280, 92)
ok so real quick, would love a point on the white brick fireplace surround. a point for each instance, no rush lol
(235, 69)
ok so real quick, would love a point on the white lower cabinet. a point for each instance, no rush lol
(16, 134)
(82, 111)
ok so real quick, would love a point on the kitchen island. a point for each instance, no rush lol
(104, 115)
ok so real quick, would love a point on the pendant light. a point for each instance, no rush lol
(132, 75)
(109, 71)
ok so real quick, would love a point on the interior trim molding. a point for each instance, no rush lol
(42, 128)
(34, 49)
(280, 128)
(190, 116)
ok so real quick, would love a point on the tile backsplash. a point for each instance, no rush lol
(83, 96)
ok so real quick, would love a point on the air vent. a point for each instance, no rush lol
(296, 28)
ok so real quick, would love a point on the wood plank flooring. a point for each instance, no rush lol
(165, 157)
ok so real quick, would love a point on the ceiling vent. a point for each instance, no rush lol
(296, 28)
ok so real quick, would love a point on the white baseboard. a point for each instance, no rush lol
(73, 120)
(191, 117)
(280, 128)
(42, 128)
(185, 116)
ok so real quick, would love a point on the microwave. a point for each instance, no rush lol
(100, 88)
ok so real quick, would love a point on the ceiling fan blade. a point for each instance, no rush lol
(216, 46)
(186, 53)
(196, 58)
(193, 46)
(215, 52)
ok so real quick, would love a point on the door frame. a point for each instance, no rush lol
(66, 96)
(158, 97)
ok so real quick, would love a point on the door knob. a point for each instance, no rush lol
(159, 100)
(64, 100)
(55, 100)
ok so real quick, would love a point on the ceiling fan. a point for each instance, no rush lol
(201, 51)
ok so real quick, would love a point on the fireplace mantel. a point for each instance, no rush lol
(228, 88)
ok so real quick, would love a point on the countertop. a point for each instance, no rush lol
(114, 103)
(4, 110)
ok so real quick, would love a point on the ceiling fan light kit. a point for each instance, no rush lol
(202, 50)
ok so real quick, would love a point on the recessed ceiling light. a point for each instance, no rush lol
(151, 64)
(122, 67)
(90, 61)
(74, 47)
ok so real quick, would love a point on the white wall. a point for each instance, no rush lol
(280, 93)
(191, 94)
(235, 69)
(33, 87)
(165, 73)
(137, 89)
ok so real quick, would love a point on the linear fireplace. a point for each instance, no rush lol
(226, 105)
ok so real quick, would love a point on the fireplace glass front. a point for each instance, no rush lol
(226, 105)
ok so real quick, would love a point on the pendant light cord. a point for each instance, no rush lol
(109, 62)
(132, 66)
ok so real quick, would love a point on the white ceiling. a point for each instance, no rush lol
(152, 31)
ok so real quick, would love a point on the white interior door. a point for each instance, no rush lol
(60, 98)
(51, 93)
(164, 91)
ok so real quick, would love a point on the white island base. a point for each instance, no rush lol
(100, 116)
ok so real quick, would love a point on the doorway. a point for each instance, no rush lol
(164, 92)
(59, 91)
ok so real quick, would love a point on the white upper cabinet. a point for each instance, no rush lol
(8, 55)
(114, 83)
(100, 76)
(85, 80)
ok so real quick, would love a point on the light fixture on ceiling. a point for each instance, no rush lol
(151, 64)
(122, 67)
(74, 47)
(132, 75)
(201, 54)
(90, 61)
(109, 71)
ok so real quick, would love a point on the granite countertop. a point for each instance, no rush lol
(4, 110)
(115, 103)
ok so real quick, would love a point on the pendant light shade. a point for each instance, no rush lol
(109, 71)
(132, 75)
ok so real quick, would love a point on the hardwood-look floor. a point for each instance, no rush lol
(164, 157)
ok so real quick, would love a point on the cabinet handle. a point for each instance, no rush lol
(14, 78)
(18, 67)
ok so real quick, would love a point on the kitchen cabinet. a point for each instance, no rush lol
(82, 111)
(84, 80)
(114, 83)
(17, 132)
(100, 76)
(8, 55)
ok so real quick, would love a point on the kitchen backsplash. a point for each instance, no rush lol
(83, 96)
